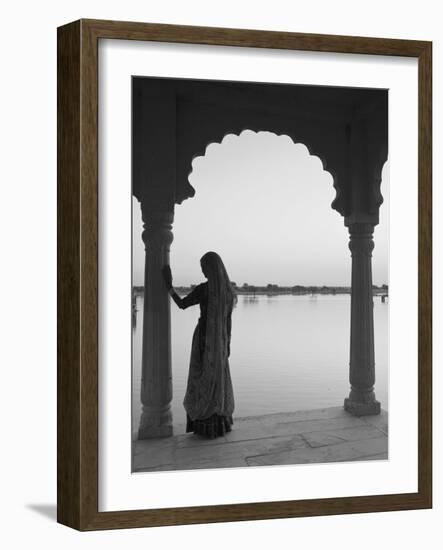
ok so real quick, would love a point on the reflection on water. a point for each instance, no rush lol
(249, 299)
(287, 353)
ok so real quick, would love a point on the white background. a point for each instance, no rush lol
(28, 299)
(118, 488)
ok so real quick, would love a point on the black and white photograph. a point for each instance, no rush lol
(222, 262)
(260, 274)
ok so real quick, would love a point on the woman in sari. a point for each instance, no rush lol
(209, 398)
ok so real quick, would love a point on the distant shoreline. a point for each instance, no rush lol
(271, 290)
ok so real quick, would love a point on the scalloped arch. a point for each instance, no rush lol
(313, 150)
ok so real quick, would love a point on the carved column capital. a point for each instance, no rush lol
(157, 229)
(361, 239)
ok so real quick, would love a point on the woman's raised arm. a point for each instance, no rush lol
(167, 277)
(191, 299)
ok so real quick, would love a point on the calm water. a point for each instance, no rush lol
(287, 353)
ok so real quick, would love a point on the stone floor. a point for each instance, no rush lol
(321, 435)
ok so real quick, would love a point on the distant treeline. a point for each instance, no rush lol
(277, 289)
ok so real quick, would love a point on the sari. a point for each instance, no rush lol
(209, 398)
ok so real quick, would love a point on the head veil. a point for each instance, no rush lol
(211, 383)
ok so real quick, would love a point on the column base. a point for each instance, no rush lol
(155, 422)
(362, 408)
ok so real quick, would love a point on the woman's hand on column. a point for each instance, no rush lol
(167, 276)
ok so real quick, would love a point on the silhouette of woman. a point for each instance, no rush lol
(209, 398)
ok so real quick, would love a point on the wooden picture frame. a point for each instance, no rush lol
(77, 455)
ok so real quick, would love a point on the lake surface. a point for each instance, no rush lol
(288, 353)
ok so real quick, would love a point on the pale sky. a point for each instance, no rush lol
(263, 203)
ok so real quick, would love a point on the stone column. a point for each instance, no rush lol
(361, 400)
(156, 382)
